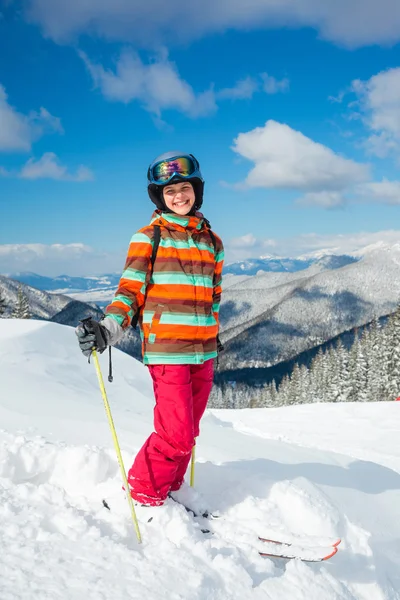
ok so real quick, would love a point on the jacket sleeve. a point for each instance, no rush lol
(217, 290)
(131, 291)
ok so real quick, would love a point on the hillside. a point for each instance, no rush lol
(274, 317)
(301, 469)
(42, 304)
(62, 309)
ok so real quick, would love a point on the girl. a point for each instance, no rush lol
(177, 304)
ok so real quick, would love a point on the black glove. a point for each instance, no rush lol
(91, 336)
(220, 347)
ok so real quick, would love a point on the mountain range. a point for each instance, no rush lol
(277, 264)
(64, 284)
(272, 317)
(266, 318)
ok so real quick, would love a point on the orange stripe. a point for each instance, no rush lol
(121, 305)
(184, 253)
(139, 249)
(183, 332)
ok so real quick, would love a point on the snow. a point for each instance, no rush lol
(321, 470)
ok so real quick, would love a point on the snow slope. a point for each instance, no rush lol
(325, 470)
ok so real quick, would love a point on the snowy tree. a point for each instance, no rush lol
(305, 384)
(2, 304)
(274, 393)
(295, 386)
(393, 363)
(316, 377)
(21, 308)
(376, 360)
(333, 384)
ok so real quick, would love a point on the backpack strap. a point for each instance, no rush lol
(156, 243)
(214, 241)
(211, 234)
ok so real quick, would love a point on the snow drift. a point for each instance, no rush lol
(322, 470)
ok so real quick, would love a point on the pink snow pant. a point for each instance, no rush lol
(181, 393)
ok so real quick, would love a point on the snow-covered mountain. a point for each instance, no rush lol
(42, 304)
(277, 264)
(275, 316)
(329, 477)
(62, 309)
(64, 284)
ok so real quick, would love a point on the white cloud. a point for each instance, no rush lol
(46, 121)
(19, 131)
(80, 260)
(244, 89)
(49, 167)
(306, 243)
(325, 199)
(285, 158)
(351, 23)
(244, 241)
(249, 246)
(156, 85)
(54, 259)
(379, 101)
(385, 191)
(15, 129)
(272, 85)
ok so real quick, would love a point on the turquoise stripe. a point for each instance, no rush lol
(140, 238)
(185, 319)
(119, 318)
(168, 318)
(169, 243)
(215, 307)
(177, 359)
(185, 245)
(208, 355)
(208, 247)
(220, 256)
(182, 279)
(123, 299)
(134, 275)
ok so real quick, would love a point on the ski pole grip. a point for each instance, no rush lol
(92, 326)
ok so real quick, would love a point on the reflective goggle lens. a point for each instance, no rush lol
(164, 170)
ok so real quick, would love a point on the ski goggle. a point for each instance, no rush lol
(163, 171)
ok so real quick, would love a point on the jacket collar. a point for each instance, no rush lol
(173, 221)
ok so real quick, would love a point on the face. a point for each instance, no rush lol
(179, 197)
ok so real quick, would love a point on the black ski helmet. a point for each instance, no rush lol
(155, 190)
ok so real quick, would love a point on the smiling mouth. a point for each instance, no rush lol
(181, 203)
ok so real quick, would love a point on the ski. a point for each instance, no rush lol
(289, 546)
(291, 552)
(287, 541)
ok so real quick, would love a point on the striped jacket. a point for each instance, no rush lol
(179, 304)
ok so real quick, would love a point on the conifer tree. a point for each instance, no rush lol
(21, 308)
(393, 357)
(2, 304)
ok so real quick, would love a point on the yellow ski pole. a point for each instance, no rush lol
(116, 445)
(192, 466)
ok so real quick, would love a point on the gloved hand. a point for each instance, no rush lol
(92, 336)
(220, 347)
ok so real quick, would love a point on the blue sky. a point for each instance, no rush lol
(292, 110)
